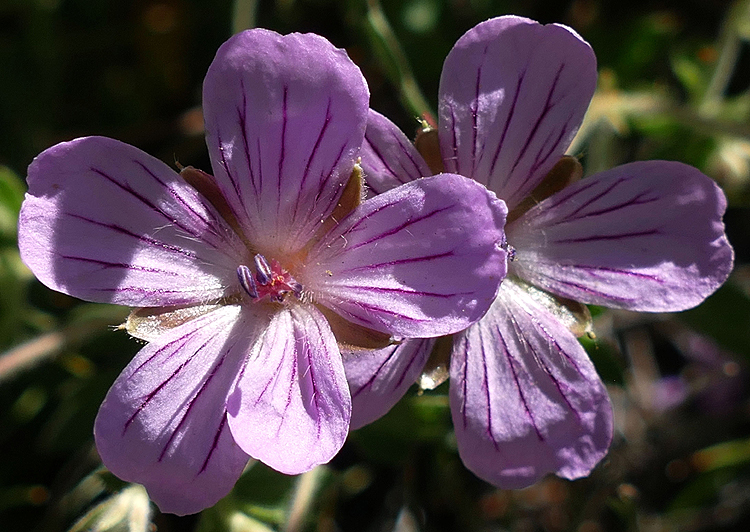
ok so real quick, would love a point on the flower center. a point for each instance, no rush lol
(270, 281)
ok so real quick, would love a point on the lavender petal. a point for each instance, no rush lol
(645, 236)
(409, 262)
(164, 424)
(379, 378)
(291, 407)
(104, 221)
(512, 96)
(285, 118)
(525, 398)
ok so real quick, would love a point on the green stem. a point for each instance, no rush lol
(395, 62)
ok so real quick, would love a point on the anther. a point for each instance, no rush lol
(297, 289)
(510, 250)
(270, 281)
(264, 274)
(246, 280)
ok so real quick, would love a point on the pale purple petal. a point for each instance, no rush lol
(411, 262)
(525, 398)
(163, 423)
(106, 222)
(379, 378)
(285, 118)
(644, 236)
(512, 96)
(389, 159)
(291, 406)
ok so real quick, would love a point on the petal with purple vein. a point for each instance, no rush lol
(285, 118)
(379, 378)
(388, 158)
(106, 222)
(645, 236)
(164, 424)
(525, 398)
(512, 96)
(291, 407)
(410, 261)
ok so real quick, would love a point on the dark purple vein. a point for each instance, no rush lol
(596, 238)
(142, 238)
(516, 380)
(145, 201)
(547, 107)
(474, 106)
(282, 150)
(242, 117)
(193, 400)
(178, 197)
(408, 260)
(215, 443)
(107, 264)
(383, 290)
(225, 166)
(371, 380)
(398, 228)
(506, 127)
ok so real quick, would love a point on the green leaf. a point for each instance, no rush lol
(726, 454)
(11, 196)
(606, 359)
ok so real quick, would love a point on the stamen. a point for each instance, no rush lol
(510, 250)
(271, 281)
(246, 280)
(264, 269)
(296, 289)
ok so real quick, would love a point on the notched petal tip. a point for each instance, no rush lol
(525, 398)
(285, 120)
(512, 96)
(620, 239)
(290, 408)
(163, 423)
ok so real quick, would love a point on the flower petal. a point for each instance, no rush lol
(389, 159)
(163, 423)
(285, 118)
(410, 261)
(512, 96)
(525, 398)
(379, 378)
(291, 406)
(644, 236)
(106, 222)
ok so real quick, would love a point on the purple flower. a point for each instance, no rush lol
(243, 278)
(646, 236)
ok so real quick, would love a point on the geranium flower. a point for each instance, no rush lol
(244, 277)
(646, 236)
